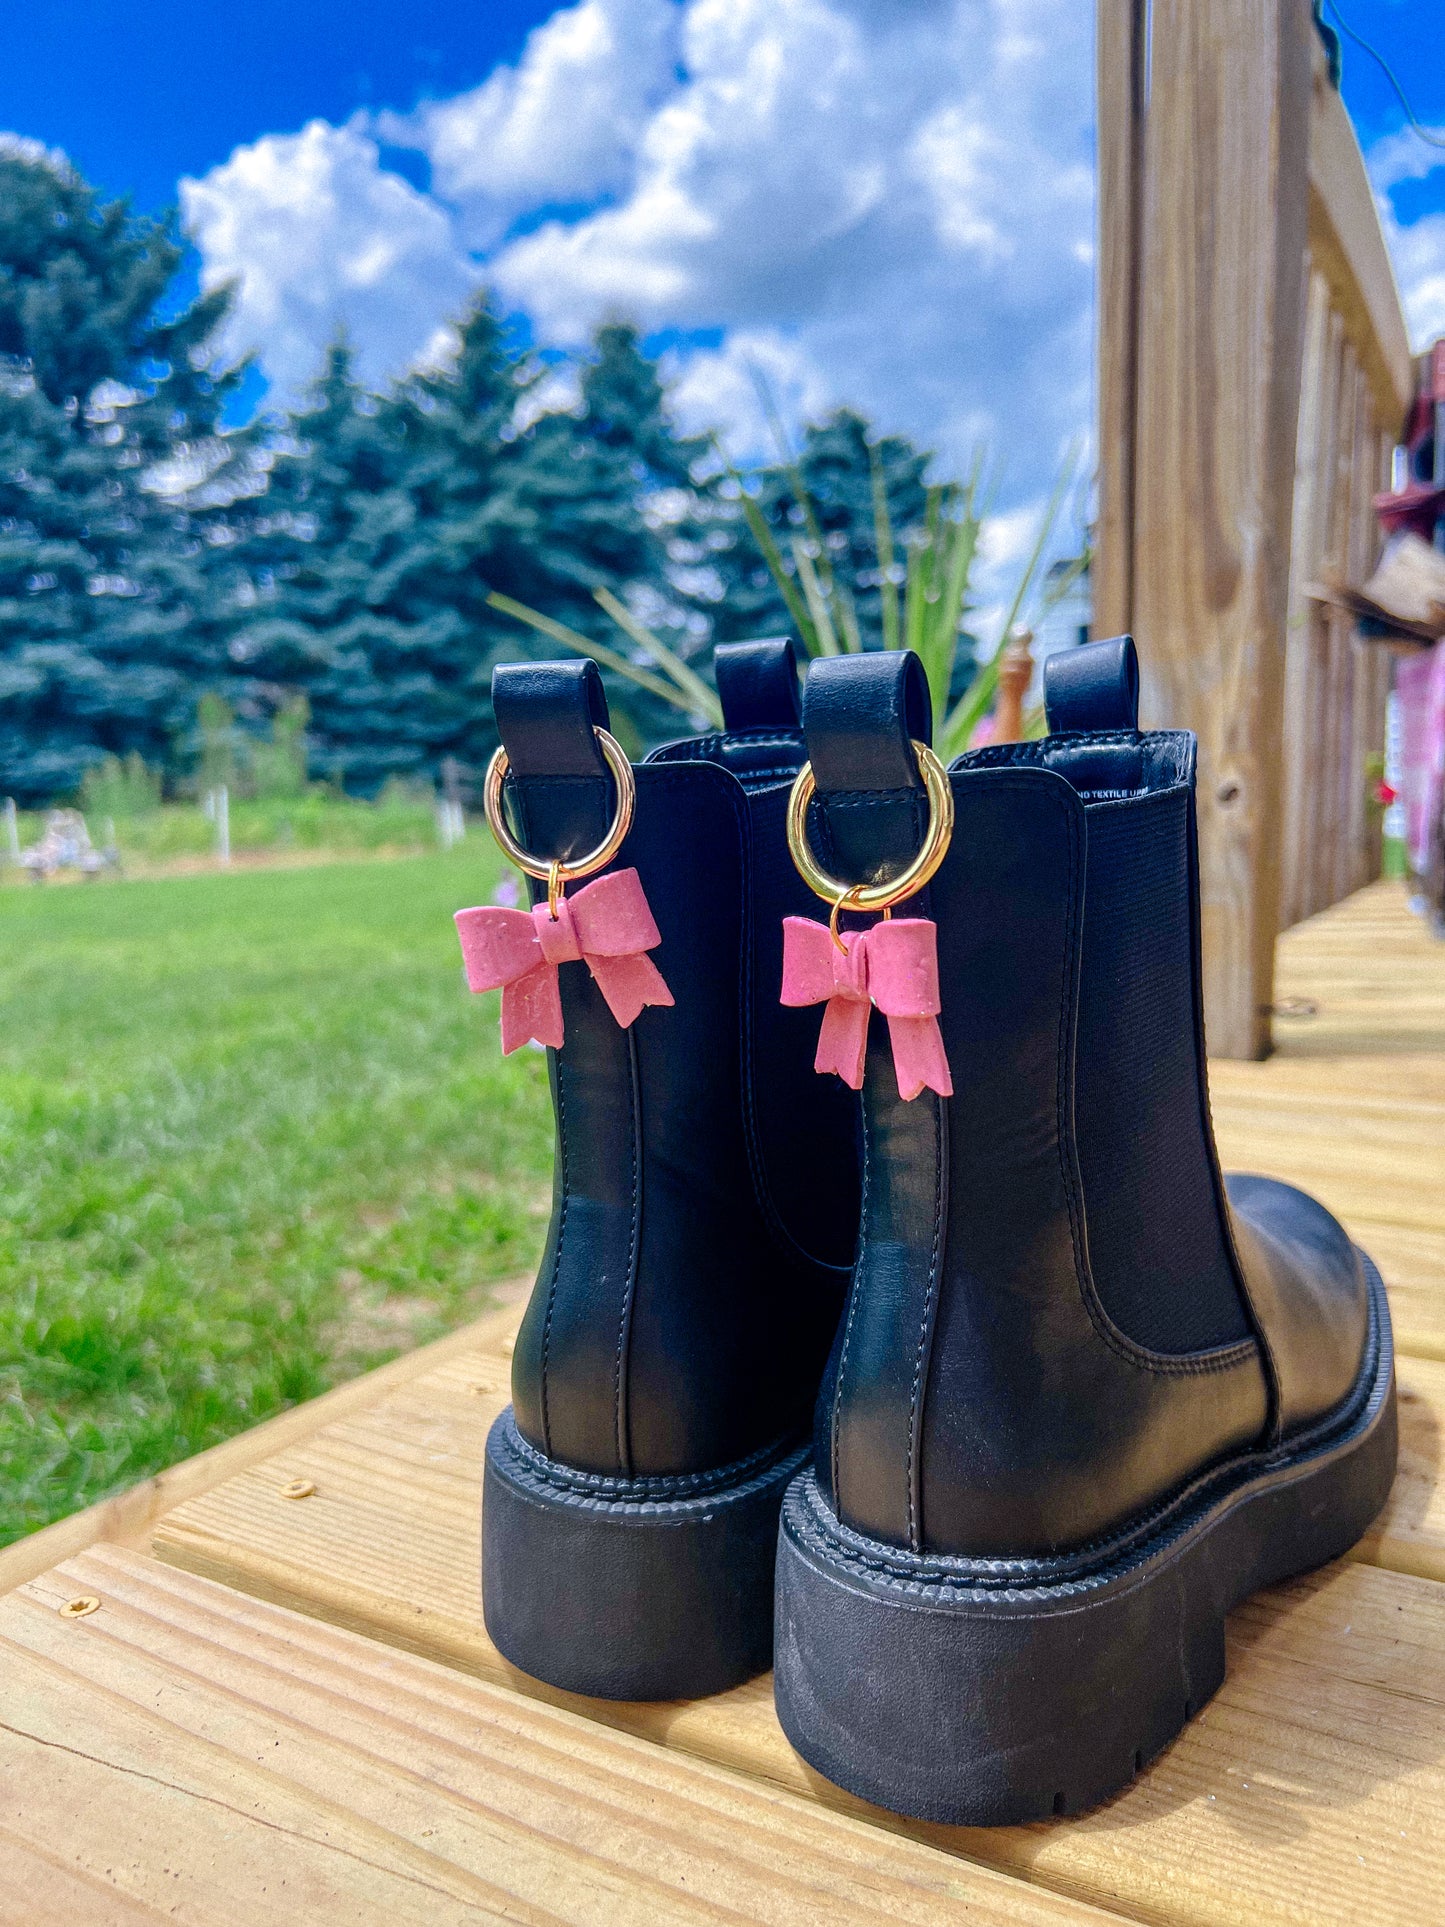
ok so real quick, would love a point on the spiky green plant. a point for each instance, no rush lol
(928, 618)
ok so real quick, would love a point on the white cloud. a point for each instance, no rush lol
(724, 388)
(319, 237)
(888, 206)
(561, 126)
(1403, 156)
(1419, 258)
(1417, 248)
(899, 200)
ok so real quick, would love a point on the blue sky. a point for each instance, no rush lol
(140, 95)
(886, 204)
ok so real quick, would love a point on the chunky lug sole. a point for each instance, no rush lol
(631, 1589)
(989, 1692)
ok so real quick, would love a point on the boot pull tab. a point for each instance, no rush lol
(757, 684)
(884, 806)
(861, 716)
(548, 715)
(1094, 687)
(574, 792)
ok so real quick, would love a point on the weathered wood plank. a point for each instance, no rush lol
(1338, 1111)
(1414, 1262)
(1301, 1745)
(1223, 238)
(1409, 1535)
(1319, 713)
(1367, 725)
(1196, 341)
(1300, 638)
(1120, 53)
(37, 1888)
(204, 1757)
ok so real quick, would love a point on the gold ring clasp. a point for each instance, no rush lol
(874, 896)
(552, 870)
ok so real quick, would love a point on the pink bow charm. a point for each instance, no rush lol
(893, 966)
(607, 925)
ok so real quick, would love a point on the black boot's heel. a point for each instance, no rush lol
(648, 1589)
(983, 1693)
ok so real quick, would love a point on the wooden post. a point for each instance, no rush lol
(1120, 59)
(1015, 673)
(1222, 222)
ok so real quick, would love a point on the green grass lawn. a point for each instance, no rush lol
(254, 1136)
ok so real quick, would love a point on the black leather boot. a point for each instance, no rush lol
(1087, 1394)
(704, 1215)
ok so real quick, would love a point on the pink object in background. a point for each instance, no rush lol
(1420, 688)
(608, 925)
(892, 967)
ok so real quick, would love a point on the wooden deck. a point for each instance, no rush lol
(286, 1710)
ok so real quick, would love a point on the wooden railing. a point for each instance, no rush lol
(1355, 389)
(1253, 371)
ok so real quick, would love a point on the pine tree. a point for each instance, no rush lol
(364, 579)
(605, 499)
(544, 511)
(333, 594)
(104, 630)
(678, 585)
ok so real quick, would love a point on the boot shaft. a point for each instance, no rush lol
(1046, 1328)
(703, 1216)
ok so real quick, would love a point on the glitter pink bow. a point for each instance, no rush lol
(607, 925)
(893, 966)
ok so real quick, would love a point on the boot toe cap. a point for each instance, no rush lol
(1308, 1291)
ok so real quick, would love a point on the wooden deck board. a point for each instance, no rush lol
(1311, 1790)
(394, 1551)
(238, 1763)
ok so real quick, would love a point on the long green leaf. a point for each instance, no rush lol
(1046, 528)
(797, 606)
(883, 542)
(951, 548)
(817, 607)
(787, 588)
(847, 613)
(914, 600)
(1059, 588)
(813, 529)
(791, 467)
(581, 645)
(947, 613)
(968, 712)
(972, 706)
(702, 700)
